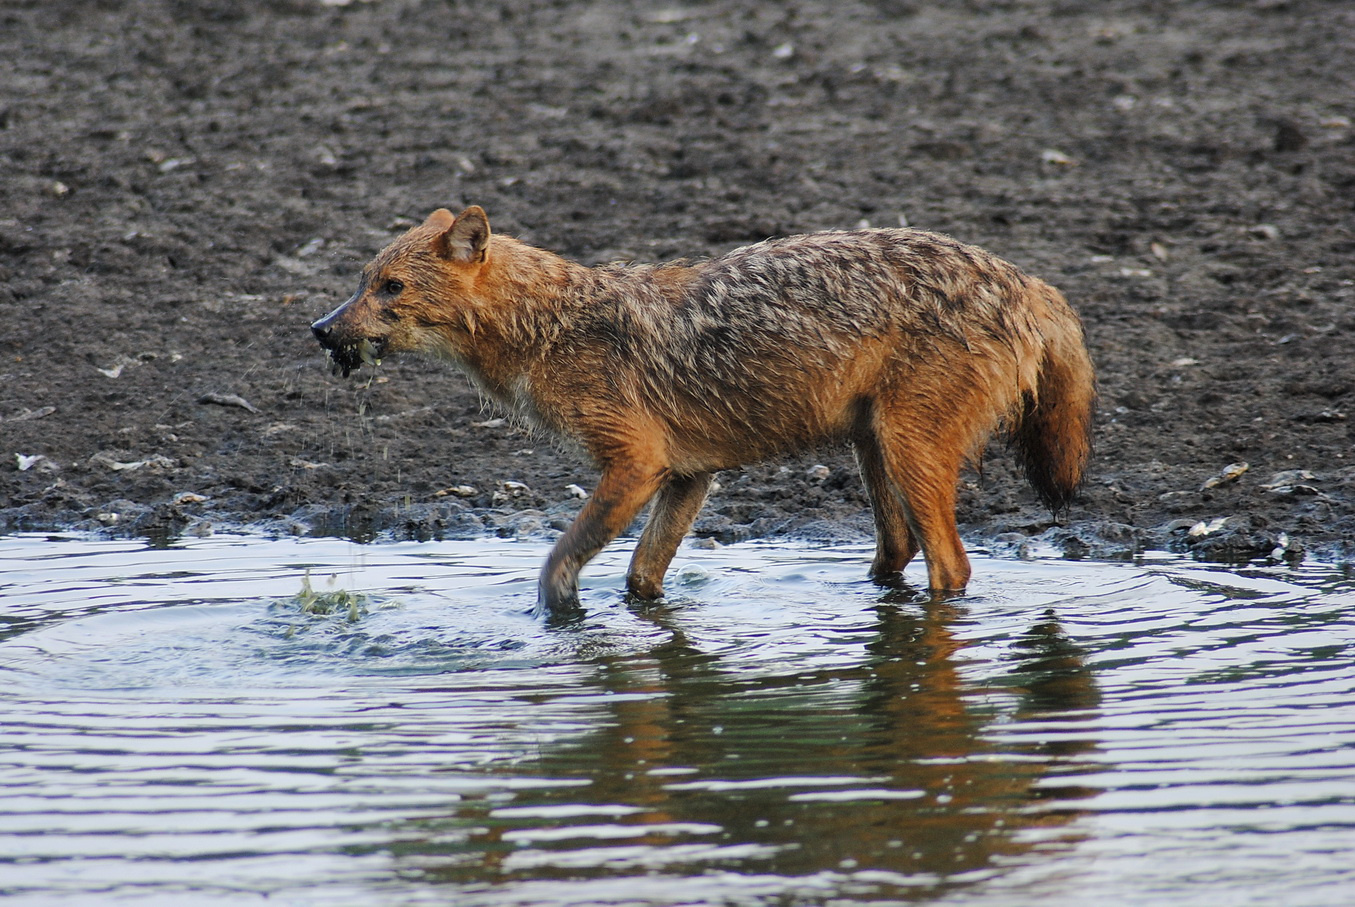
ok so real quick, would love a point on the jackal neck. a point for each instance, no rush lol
(525, 299)
(527, 292)
(550, 329)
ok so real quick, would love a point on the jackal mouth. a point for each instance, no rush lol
(349, 357)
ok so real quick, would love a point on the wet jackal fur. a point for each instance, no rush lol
(913, 347)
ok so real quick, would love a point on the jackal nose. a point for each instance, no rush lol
(324, 329)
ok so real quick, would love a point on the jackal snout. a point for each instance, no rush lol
(347, 348)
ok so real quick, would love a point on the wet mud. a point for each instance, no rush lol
(186, 185)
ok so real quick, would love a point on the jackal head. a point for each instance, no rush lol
(414, 297)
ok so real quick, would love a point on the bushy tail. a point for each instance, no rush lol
(1053, 437)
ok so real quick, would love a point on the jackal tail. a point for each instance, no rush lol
(1053, 437)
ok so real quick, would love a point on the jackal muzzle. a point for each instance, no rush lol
(346, 352)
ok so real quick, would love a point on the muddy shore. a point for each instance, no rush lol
(184, 186)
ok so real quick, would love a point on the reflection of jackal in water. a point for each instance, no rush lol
(914, 347)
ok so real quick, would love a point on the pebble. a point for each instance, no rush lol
(1201, 529)
(1230, 473)
(509, 490)
(158, 461)
(1288, 478)
(228, 400)
(27, 462)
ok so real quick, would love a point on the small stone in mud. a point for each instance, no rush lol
(228, 400)
(30, 414)
(1230, 473)
(1297, 491)
(1202, 529)
(508, 491)
(1235, 538)
(1288, 477)
(1324, 417)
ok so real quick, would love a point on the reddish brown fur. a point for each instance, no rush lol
(914, 347)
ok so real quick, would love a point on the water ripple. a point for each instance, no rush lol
(177, 725)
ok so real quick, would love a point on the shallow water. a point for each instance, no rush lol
(176, 727)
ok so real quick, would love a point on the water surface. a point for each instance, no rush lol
(177, 727)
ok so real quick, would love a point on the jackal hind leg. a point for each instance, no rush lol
(926, 474)
(895, 546)
(623, 489)
(675, 509)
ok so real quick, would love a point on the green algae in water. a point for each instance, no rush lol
(355, 605)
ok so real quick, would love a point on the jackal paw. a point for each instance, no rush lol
(556, 604)
(644, 589)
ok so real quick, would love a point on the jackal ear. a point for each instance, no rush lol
(439, 220)
(468, 236)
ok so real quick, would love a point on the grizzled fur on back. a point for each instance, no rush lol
(759, 336)
(810, 302)
(914, 347)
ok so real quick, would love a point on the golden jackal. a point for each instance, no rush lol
(912, 346)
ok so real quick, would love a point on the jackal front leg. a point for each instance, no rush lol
(623, 489)
(675, 508)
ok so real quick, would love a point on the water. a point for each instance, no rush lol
(177, 729)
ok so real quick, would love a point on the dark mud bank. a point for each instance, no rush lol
(188, 185)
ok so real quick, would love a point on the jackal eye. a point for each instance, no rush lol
(392, 287)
